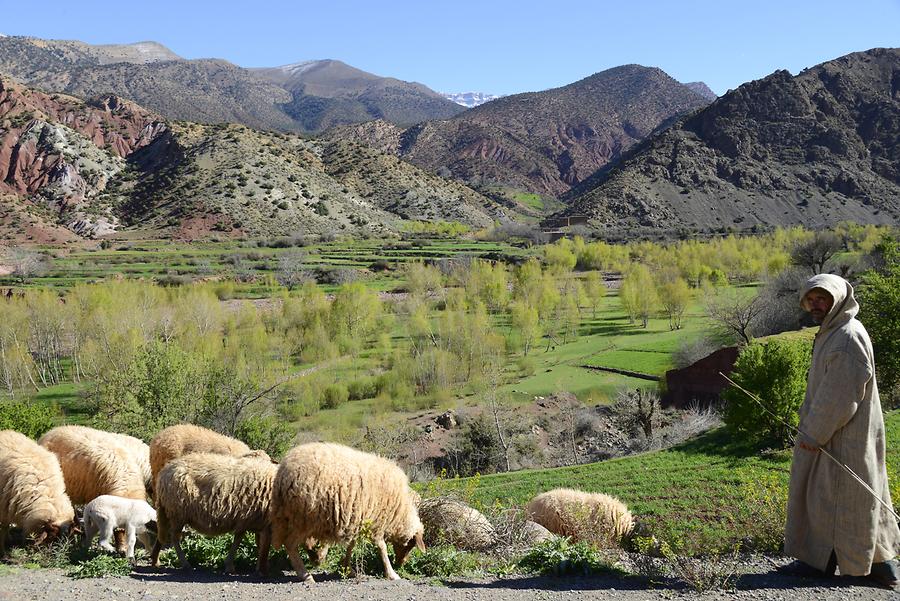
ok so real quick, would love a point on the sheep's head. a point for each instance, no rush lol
(403, 547)
(48, 531)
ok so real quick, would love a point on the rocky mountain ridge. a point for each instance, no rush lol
(471, 99)
(811, 149)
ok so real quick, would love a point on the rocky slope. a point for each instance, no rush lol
(306, 97)
(329, 93)
(62, 152)
(813, 149)
(543, 142)
(99, 166)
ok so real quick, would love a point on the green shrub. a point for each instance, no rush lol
(334, 396)
(880, 313)
(363, 388)
(442, 561)
(268, 433)
(101, 565)
(560, 557)
(775, 371)
(30, 418)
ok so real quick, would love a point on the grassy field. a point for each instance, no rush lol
(706, 495)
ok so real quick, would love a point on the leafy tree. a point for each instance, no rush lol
(526, 325)
(595, 290)
(776, 372)
(30, 418)
(880, 313)
(816, 251)
(675, 296)
(638, 294)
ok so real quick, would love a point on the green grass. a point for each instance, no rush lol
(705, 495)
(533, 201)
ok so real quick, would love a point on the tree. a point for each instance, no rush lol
(880, 313)
(526, 324)
(815, 252)
(291, 272)
(675, 296)
(595, 290)
(638, 294)
(26, 263)
(776, 373)
(735, 314)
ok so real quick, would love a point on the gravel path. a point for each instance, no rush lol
(147, 584)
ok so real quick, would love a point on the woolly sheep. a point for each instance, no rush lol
(107, 512)
(334, 494)
(581, 515)
(95, 463)
(456, 523)
(32, 490)
(215, 494)
(179, 440)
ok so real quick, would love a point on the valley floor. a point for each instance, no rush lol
(146, 584)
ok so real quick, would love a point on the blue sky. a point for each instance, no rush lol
(496, 46)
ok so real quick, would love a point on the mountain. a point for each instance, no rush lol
(702, 89)
(327, 93)
(811, 149)
(470, 99)
(546, 142)
(305, 97)
(100, 166)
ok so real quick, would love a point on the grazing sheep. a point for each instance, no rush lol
(533, 533)
(454, 522)
(96, 463)
(32, 490)
(106, 513)
(334, 494)
(215, 494)
(176, 441)
(581, 515)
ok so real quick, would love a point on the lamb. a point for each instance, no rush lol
(332, 493)
(107, 512)
(215, 494)
(32, 490)
(96, 463)
(455, 522)
(581, 515)
(175, 441)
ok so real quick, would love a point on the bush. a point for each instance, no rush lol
(30, 418)
(559, 557)
(364, 388)
(334, 396)
(880, 312)
(775, 372)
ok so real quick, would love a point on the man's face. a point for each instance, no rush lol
(819, 303)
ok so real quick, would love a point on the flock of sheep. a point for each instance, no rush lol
(320, 494)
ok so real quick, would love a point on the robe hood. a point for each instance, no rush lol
(845, 306)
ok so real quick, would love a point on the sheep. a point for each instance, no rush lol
(215, 494)
(32, 490)
(107, 512)
(333, 494)
(96, 463)
(455, 522)
(58, 438)
(581, 515)
(175, 441)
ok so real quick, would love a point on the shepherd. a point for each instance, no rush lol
(832, 520)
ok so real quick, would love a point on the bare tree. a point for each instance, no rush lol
(26, 263)
(291, 272)
(736, 315)
(640, 409)
(817, 251)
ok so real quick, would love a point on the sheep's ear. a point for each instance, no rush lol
(420, 542)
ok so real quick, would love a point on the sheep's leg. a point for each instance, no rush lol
(130, 537)
(297, 562)
(90, 531)
(229, 560)
(345, 563)
(121, 540)
(146, 539)
(263, 543)
(107, 530)
(154, 555)
(176, 537)
(382, 550)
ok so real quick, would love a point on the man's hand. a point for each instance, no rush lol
(807, 447)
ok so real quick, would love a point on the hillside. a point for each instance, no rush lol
(96, 167)
(545, 142)
(813, 149)
(306, 97)
(329, 93)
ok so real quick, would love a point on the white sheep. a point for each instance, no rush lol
(97, 463)
(335, 494)
(581, 515)
(456, 523)
(215, 494)
(32, 490)
(182, 439)
(107, 512)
